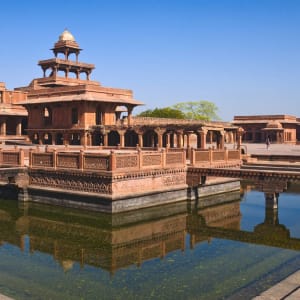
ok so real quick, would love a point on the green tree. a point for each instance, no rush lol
(167, 112)
(198, 110)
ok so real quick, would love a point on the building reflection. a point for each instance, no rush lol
(117, 241)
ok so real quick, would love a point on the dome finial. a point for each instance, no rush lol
(66, 36)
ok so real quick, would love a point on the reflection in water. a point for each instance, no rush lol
(123, 241)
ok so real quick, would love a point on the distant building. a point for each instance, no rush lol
(283, 129)
(13, 116)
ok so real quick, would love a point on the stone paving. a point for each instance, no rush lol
(273, 149)
(288, 289)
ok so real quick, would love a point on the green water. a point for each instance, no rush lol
(172, 252)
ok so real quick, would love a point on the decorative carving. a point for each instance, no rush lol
(65, 160)
(175, 179)
(10, 158)
(151, 160)
(75, 182)
(174, 158)
(95, 163)
(126, 161)
(42, 159)
(201, 156)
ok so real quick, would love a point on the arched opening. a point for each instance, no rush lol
(61, 73)
(97, 139)
(131, 138)
(75, 139)
(113, 138)
(47, 139)
(150, 138)
(47, 113)
(59, 140)
(35, 138)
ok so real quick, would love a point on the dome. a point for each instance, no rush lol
(274, 125)
(66, 36)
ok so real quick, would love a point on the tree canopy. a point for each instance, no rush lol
(196, 110)
(167, 112)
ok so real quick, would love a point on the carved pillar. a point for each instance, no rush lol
(122, 137)
(19, 128)
(3, 127)
(239, 135)
(160, 133)
(105, 139)
(188, 139)
(211, 134)
(129, 118)
(202, 134)
(168, 140)
(221, 140)
(140, 135)
(179, 139)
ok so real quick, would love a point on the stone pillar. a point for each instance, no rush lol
(188, 139)
(271, 208)
(83, 139)
(160, 140)
(159, 133)
(179, 139)
(211, 134)
(271, 200)
(3, 127)
(140, 135)
(168, 140)
(105, 139)
(122, 138)
(239, 135)
(19, 128)
(222, 140)
(129, 118)
(202, 134)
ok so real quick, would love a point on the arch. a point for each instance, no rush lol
(113, 138)
(97, 139)
(131, 138)
(47, 138)
(150, 138)
(35, 138)
(75, 139)
(47, 113)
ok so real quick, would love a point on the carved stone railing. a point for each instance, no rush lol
(112, 161)
(212, 156)
(14, 157)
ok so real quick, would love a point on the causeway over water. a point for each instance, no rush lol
(289, 288)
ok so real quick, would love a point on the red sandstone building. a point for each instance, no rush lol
(66, 107)
(13, 116)
(283, 129)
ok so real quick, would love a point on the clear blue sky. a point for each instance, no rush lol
(243, 55)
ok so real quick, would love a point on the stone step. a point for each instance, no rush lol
(271, 167)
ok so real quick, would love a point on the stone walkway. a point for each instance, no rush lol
(273, 149)
(288, 289)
